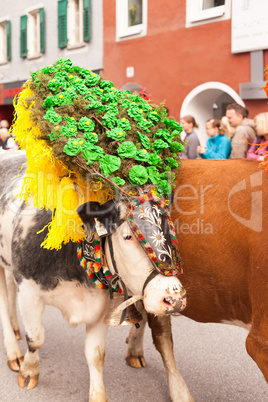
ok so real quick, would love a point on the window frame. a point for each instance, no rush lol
(33, 27)
(5, 26)
(123, 31)
(67, 23)
(195, 15)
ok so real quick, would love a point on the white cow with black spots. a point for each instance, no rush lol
(50, 277)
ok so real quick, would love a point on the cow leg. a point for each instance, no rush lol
(14, 354)
(162, 337)
(12, 303)
(95, 352)
(31, 308)
(134, 356)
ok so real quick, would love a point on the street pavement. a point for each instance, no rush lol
(211, 357)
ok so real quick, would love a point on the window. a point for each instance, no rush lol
(131, 18)
(73, 23)
(204, 11)
(5, 42)
(32, 34)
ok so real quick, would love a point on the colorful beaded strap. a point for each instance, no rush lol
(93, 266)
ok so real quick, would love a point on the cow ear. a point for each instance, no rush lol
(102, 218)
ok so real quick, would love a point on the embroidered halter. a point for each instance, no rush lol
(160, 244)
(89, 255)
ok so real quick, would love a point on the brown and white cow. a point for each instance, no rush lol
(50, 277)
(221, 220)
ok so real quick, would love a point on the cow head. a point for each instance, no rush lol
(139, 231)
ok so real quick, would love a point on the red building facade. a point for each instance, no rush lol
(191, 67)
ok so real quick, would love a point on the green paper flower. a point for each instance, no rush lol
(145, 125)
(94, 104)
(116, 134)
(50, 102)
(106, 84)
(127, 150)
(145, 142)
(154, 116)
(109, 164)
(64, 63)
(168, 175)
(126, 103)
(142, 156)
(77, 69)
(86, 124)
(92, 79)
(73, 146)
(175, 133)
(135, 112)
(82, 89)
(66, 98)
(159, 145)
(155, 160)
(118, 181)
(92, 153)
(163, 134)
(124, 124)
(56, 83)
(138, 175)
(164, 187)
(174, 125)
(85, 72)
(70, 130)
(70, 119)
(97, 91)
(52, 116)
(109, 119)
(176, 147)
(153, 174)
(170, 162)
(91, 137)
(108, 97)
(111, 107)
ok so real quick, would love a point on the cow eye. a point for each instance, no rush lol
(127, 237)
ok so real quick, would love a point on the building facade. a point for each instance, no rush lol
(35, 33)
(196, 55)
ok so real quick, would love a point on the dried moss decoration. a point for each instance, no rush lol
(93, 127)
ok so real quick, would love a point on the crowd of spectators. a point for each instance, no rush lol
(234, 136)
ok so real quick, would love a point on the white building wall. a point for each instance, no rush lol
(19, 69)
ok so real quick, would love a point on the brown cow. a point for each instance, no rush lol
(222, 228)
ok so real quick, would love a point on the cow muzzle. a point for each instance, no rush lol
(174, 304)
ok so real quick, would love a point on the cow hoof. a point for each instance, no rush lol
(14, 365)
(17, 334)
(32, 382)
(136, 361)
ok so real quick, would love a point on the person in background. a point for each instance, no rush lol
(225, 128)
(256, 151)
(6, 138)
(188, 124)
(218, 145)
(244, 130)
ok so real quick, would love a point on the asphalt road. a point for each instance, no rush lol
(211, 357)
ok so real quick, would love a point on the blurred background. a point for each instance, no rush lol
(197, 56)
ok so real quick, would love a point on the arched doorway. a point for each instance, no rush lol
(207, 101)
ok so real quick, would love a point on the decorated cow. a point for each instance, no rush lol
(84, 215)
(222, 226)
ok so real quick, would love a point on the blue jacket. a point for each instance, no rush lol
(218, 147)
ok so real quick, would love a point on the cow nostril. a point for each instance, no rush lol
(168, 300)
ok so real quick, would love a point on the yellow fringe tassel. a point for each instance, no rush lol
(47, 181)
